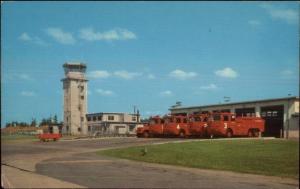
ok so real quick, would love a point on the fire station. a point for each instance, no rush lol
(281, 114)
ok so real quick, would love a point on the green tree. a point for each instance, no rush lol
(33, 122)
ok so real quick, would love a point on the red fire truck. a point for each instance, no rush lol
(203, 125)
(176, 126)
(155, 127)
(226, 124)
(197, 124)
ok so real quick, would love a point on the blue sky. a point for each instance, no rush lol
(148, 54)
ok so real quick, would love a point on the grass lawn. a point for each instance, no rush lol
(267, 157)
(17, 137)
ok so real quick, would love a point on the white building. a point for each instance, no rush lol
(75, 99)
(112, 123)
(281, 114)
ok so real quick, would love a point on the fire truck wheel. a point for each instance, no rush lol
(256, 133)
(146, 134)
(229, 133)
(250, 133)
(182, 134)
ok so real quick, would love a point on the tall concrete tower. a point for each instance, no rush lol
(75, 99)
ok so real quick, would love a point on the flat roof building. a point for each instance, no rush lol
(105, 123)
(281, 114)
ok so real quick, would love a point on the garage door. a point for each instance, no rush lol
(273, 115)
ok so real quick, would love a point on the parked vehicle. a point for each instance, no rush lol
(49, 136)
(226, 124)
(153, 128)
(176, 126)
(197, 124)
(52, 133)
(203, 125)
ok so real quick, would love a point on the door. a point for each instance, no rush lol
(273, 116)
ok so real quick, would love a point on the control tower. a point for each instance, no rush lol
(75, 99)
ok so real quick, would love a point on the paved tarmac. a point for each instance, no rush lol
(74, 164)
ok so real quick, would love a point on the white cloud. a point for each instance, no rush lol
(28, 93)
(287, 74)
(99, 74)
(209, 87)
(290, 16)
(151, 76)
(105, 92)
(227, 72)
(24, 76)
(152, 113)
(25, 37)
(166, 93)
(116, 34)
(254, 22)
(60, 36)
(179, 74)
(17, 76)
(126, 75)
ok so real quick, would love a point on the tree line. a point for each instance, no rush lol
(34, 123)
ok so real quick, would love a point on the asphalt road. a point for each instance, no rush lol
(75, 162)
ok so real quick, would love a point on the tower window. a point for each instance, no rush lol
(111, 117)
(82, 97)
(81, 88)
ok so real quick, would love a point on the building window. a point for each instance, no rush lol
(81, 88)
(67, 128)
(269, 114)
(131, 127)
(111, 117)
(79, 129)
(94, 118)
(99, 118)
(178, 120)
(275, 113)
(89, 128)
(82, 118)
(133, 118)
(89, 118)
(82, 97)
(184, 120)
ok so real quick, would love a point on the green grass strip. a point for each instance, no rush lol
(266, 157)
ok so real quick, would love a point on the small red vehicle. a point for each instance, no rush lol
(197, 124)
(226, 124)
(49, 136)
(176, 125)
